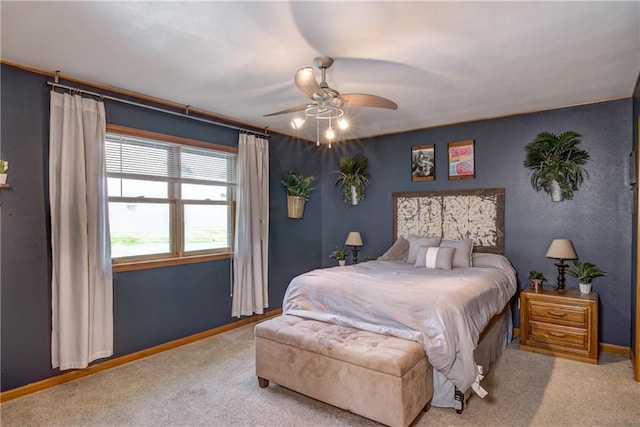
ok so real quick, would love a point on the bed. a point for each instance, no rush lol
(460, 315)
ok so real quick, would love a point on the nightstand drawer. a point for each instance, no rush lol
(567, 338)
(559, 314)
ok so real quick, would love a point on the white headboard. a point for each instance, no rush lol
(453, 214)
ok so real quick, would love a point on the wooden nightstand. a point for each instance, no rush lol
(563, 324)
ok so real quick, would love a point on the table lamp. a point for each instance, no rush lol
(561, 249)
(354, 239)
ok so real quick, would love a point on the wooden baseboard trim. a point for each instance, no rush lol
(617, 349)
(112, 363)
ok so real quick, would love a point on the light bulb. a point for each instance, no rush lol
(330, 133)
(297, 122)
(343, 124)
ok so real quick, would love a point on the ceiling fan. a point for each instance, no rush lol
(327, 103)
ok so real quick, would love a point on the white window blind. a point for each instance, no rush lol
(138, 158)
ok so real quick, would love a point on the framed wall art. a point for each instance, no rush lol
(461, 159)
(423, 163)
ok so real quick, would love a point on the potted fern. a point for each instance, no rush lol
(298, 188)
(353, 178)
(556, 164)
(585, 272)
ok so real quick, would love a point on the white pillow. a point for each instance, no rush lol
(414, 246)
(462, 254)
(435, 257)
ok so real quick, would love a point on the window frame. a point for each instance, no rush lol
(176, 257)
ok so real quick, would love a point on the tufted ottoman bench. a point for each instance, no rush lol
(384, 378)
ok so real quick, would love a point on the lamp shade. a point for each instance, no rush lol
(561, 249)
(354, 239)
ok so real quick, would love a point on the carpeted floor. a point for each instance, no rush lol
(212, 383)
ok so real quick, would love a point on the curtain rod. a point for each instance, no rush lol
(162, 110)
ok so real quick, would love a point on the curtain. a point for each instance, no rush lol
(81, 282)
(250, 273)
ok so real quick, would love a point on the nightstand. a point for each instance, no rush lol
(563, 324)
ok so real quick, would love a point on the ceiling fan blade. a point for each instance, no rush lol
(307, 83)
(289, 110)
(366, 100)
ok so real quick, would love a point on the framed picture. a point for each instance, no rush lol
(423, 163)
(461, 160)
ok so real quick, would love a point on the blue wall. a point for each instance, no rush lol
(597, 220)
(159, 305)
(152, 306)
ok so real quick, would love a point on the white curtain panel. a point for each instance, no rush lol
(81, 282)
(251, 249)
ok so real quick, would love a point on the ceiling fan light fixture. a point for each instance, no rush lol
(297, 122)
(331, 134)
(343, 124)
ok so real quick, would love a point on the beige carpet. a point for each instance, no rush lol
(212, 383)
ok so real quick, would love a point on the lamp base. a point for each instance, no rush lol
(561, 266)
(354, 254)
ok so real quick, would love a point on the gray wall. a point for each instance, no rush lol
(597, 220)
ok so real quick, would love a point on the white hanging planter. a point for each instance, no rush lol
(354, 195)
(556, 191)
(585, 288)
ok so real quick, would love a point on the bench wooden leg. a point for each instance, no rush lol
(262, 382)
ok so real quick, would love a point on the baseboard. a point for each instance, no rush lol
(617, 349)
(610, 348)
(112, 363)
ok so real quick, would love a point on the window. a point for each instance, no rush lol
(168, 200)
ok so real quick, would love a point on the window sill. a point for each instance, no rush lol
(165, 262)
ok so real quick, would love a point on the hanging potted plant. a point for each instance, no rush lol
(353, 178)
(556, 163)
(585, 272)
(298, 188)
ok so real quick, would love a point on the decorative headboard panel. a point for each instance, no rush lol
(453, 214)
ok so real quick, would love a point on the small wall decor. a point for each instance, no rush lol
(556, 164)
(4, 170)
(461, 159)
(423, 163)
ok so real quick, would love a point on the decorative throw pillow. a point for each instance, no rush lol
(435, 257)
(397, 252)
(414, 245)
(463, 251)
(441, 258)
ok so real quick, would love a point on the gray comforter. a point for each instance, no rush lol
(444, 310)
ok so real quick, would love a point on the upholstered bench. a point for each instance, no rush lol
(380, 377)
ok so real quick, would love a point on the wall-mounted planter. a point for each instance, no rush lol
(298, 188)
(556, 163)
(295, 206)
(353, 179)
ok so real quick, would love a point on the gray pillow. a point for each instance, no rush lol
(435, 257)
(414, 245)
(399, 251)
(462, 254)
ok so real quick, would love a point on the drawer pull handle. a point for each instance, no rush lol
(556, 334)
(557, 313)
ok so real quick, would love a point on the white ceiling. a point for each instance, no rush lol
(441, 62)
